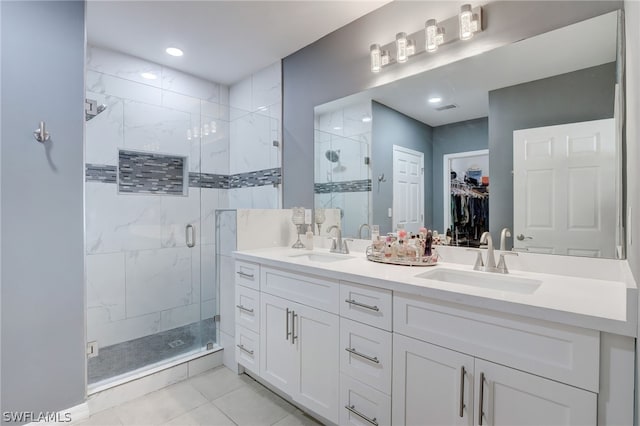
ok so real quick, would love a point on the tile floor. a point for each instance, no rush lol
(216, 397)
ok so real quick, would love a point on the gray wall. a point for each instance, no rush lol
(470, 135)
(390, 127)
(568, 98)
(43, 302)
(337, 65)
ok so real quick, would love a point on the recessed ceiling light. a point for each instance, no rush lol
(337, 128)
(174, 51)
(435, 100)
(149, 75)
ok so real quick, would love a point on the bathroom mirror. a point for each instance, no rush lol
(364, 142)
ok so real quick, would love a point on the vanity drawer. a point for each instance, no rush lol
(305, 289)
(359, 402)
(248, 349)
(370, 305)
(365, 354)
(248, 308)
(564, 353)
(248, 274)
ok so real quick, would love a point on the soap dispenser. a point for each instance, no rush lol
(308, 244)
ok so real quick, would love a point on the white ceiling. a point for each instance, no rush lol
(467, 83)
(223, 41)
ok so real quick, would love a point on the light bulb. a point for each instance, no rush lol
(431, 35)
(401, 47)
(466, 32)
(375, 58)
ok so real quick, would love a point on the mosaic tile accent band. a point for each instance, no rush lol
(143, 172)
(363, 185)
(107, 174)
(101, 173)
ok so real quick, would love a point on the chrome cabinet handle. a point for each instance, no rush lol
(480, 412)
(352, 408)
(370, 358)
(242, 308)
(245, 275)
(190, 237)
(362, 305)
(242, 348)
(462, 373)
(287, 318)
(293, 327)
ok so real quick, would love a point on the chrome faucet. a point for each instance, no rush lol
(490, 264)
(337, 244)
(360, 230)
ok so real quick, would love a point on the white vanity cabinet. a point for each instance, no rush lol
(299, 343)
(247, 315)
(451, 384)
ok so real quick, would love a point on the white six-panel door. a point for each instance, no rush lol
(408, 188)
(564, 193)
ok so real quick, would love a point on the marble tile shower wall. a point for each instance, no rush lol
(141, 276)
(255, 117)
(342, 177)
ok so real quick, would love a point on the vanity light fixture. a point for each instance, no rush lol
(376, 60)
(469, 22)
(148, 75)
(174, 51)
(434, 35)
(401, 47)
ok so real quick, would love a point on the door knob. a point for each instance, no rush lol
(522, 237)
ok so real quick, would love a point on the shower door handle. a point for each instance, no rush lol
(190, 236)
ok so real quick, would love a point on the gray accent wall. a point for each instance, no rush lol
(43, 294)
(568, 98)
(390, 127)
(470, 135)
(337, 65)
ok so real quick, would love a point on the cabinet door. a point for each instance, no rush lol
(510, 397)
(317, 337)
(431, 385)
(278, 356)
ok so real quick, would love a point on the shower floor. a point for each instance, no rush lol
(128, 356)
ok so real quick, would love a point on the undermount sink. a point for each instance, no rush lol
(322, 257)
(490, 281)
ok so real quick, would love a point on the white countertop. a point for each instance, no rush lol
(609, 306)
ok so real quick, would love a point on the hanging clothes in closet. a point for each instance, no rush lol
(469, 213)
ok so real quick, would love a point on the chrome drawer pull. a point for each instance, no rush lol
(462, 373)
(242, 308)
(245, 275)
(352, 408)
(362, 305)
(353, 351)
(480, 411)
(242, 348)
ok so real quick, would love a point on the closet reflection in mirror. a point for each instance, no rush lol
(558, 193)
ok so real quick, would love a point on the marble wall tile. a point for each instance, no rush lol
(97, 82)
(240, 96)
(207, 272)
(180, 316)
(266, 87)
(153, 128)
(176, 214)
(120, 222)
(209, 308)
(227, 294)
(184, 103)
(209, 203)
(352, 119)
(258, 228)
(123, 66)
(105, 288)
(110, 333)
(186, 84)
(105, 132)
(158, 280)
(224, 98)
(251, 145)
(214, 148)
(226, 227)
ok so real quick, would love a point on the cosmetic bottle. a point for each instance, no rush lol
(308, 244)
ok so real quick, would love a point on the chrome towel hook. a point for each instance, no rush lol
(41, 134)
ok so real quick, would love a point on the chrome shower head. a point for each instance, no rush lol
(333, 156)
